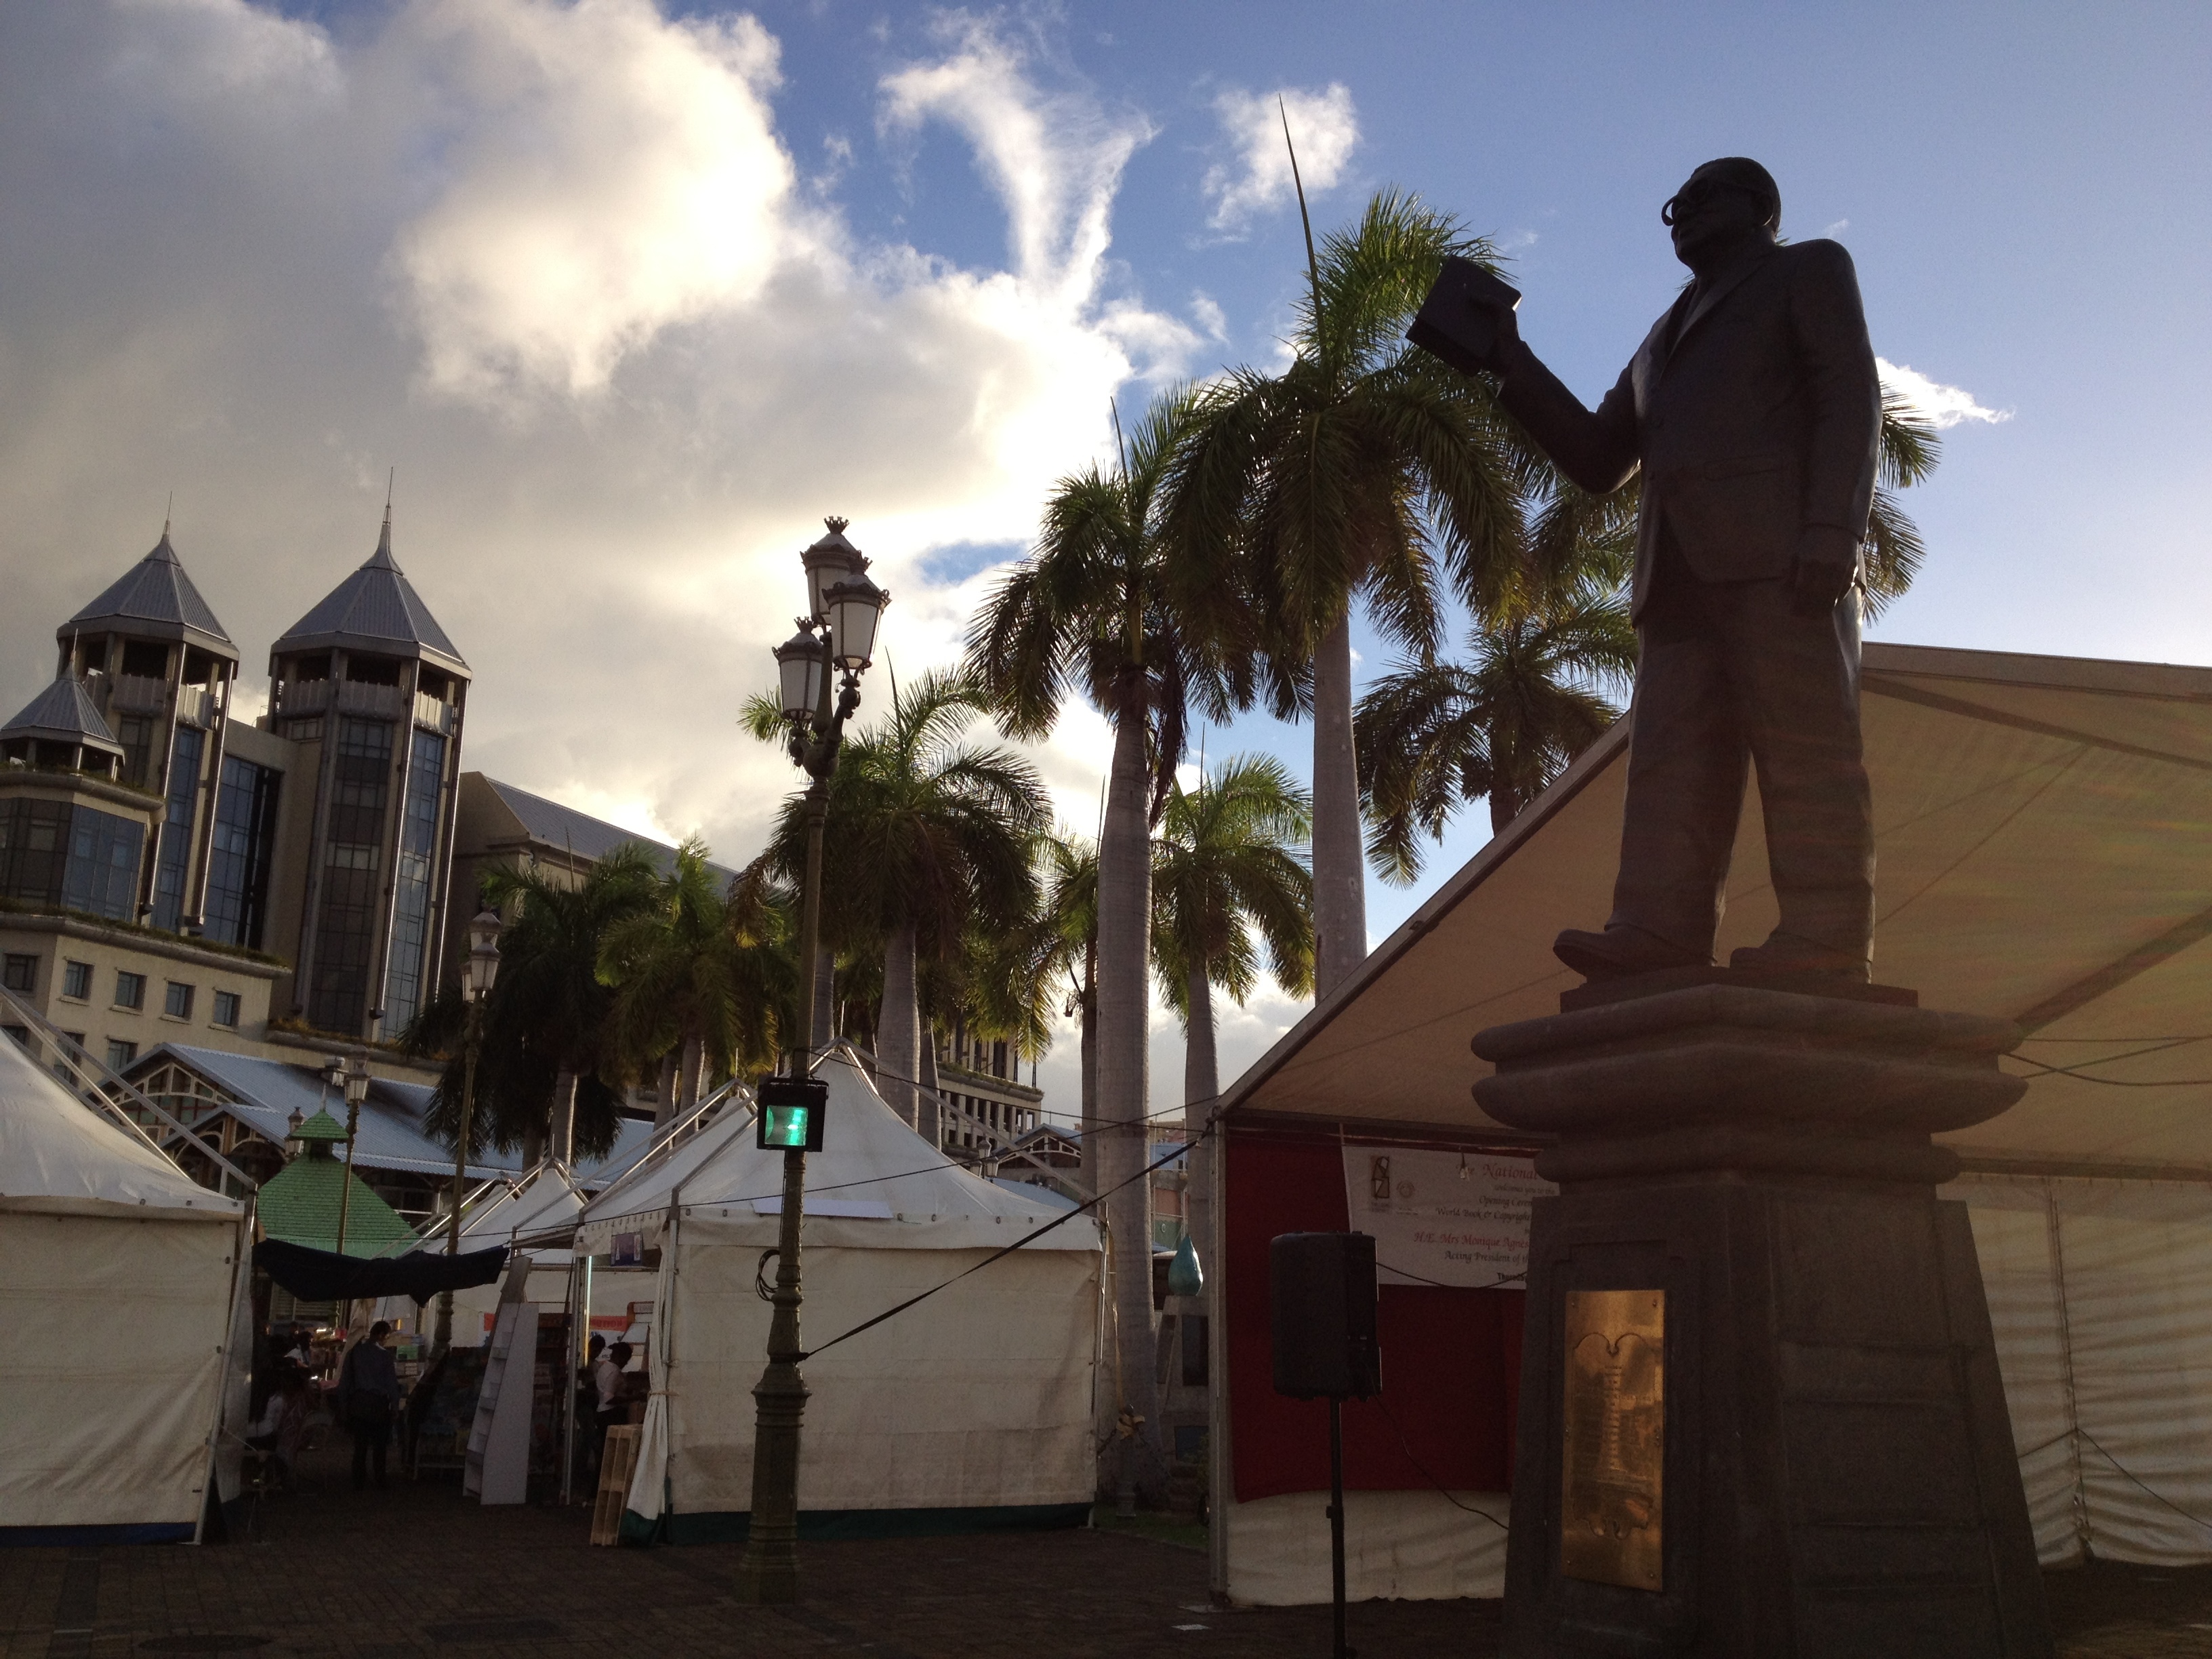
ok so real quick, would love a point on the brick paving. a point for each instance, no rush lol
(418, 1571)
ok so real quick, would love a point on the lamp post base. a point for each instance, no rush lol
(768, 1575)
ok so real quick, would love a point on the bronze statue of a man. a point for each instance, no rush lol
(1754, 410)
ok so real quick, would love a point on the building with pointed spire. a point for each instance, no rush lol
(177, 882)
(370, 690)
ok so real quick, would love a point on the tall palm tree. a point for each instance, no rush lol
(548, 1060)
(1366, 472)
(1228, 876)
(692, 973)
(1101, 610)
(927, 837)
(1531, 696)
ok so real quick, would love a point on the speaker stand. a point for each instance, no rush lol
(1336, 1523)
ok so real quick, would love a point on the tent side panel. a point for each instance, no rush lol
(112, 1369)
(978, 1399)
(2010, 1218)
(2137, 1260)
(1399, 1546)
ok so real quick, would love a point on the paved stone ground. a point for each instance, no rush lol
(417, 1571)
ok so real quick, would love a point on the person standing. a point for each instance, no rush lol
(369, 1396)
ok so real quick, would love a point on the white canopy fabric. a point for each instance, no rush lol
(101, 1237)
(872, 1169)
(639, 1201)
(974, 1409)
(2042, 827)
(58, 1156)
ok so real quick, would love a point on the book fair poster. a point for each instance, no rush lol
(1456, 1219)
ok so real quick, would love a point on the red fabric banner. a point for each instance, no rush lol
(1451, 1358)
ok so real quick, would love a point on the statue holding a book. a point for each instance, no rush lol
(1752, 410)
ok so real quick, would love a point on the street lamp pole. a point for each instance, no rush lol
(846, 608)
(355, 1075)
(477, 978)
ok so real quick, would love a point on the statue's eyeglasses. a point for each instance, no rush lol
(1695, 195)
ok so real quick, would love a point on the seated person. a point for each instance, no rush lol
(284, 1419)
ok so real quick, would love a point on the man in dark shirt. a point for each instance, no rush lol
(1753, 410)
(369, 1396)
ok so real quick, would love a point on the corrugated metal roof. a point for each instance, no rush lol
(553, 825)
(376, 608)
(63, 713)
(265, 1093)
(154, 597)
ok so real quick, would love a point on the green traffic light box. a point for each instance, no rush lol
(792, 1110)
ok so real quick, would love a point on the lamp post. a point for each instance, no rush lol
(839, 634)
(355, 1077)
(477, 977)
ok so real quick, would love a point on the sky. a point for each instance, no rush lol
(628, 298)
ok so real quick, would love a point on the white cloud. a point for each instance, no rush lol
(556, 261)
(606, 173)
(1940, 405)
(1258, 179)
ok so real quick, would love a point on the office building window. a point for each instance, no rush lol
(121, 1053)
(77, 979)
(345, 921)
(177, 1003)
(102, 875)
(226, 1009)
(410, 902)
(244, 845)
(136, 734)
(72, 1048)
(173, 861)
(19, 973)
(34, 850)
(130, 989)
(23, 1036)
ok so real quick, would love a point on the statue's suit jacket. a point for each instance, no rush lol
(1753, 408)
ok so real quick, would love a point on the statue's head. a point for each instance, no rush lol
(1723, 203)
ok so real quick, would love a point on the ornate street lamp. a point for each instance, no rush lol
(839, 633)
(353, 1072)
(478, 975)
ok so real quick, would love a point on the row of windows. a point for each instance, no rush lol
(20, 972)
(346, 927)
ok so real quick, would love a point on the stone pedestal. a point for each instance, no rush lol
(1760, 1414)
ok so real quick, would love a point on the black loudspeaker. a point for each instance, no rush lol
(1322, 1290)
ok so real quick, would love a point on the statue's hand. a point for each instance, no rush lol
(1827, 561)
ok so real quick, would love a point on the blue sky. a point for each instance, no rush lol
(632, 297)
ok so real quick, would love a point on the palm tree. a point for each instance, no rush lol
(547, 1054)
(1229, 875)
(1099, 609)
(927, 837)
(1369, 472)
(1531, 696)
(697, 970)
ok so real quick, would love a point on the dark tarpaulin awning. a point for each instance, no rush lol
(326, 1276)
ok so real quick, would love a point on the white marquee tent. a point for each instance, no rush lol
(119, 1283)
(972, 1411)
(2045, 835)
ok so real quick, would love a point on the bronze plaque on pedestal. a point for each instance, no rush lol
(1611, 1472)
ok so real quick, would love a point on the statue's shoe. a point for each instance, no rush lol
(1619, 951)
(1791, 953)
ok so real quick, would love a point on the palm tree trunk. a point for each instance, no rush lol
(898, 1031)
(1504, 807)
(563, 1147)
(533, 1145)
(825, 990)
(687, 1072)
(1201, 1082)
(931, 1124)
(1090, 1157)
(1124, 984)
(1340, 863)
(664, 1097)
